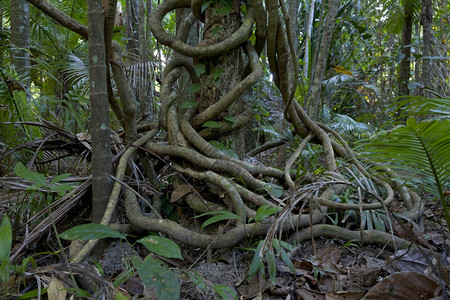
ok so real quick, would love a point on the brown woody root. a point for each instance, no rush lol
(244, 186)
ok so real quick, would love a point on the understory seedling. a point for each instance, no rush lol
(150, 270)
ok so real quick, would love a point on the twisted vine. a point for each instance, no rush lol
(243, 185)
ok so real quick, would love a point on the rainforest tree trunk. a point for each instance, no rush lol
(100, 124)
(316, 86)
(427, 21)
(20, 39)
(405, 64)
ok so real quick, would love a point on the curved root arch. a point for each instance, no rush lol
(244, 186)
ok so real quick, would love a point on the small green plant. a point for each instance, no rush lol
(40, 181)
(224, 291)
(264, 212)
(6, 268)
(266, 253)
(152, 273)
(5, 249)
(220, 146)
(351, 243)
(218, 216)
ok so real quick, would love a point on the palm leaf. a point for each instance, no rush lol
(419, 106)
(418, 150)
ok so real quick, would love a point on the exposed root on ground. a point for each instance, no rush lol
(239, 186)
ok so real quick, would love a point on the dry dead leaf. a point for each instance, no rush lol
(255, 287)
(306, 294)
(56, 290)
(344, 295)
(134, 286)
(329, 257)
(404, 286)
(180, 192)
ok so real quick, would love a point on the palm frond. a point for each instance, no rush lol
(77, 73)
(419, 106)
(345, 124)
(418, 150)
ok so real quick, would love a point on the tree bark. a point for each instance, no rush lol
(20, 39)
(225, 73)
(405, 64)
(427, 21)
(330, 22)
(100, 124)
(132, 27)
(293, 15)
(306, 58)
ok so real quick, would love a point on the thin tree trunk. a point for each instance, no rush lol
(142, 37)
(100, 124)
(308, 40)
(293, 15)
(143, 82)
(1, 37)
(132, 27)
(20, 39)
(405, 64)
(427, 21)
(330, 22)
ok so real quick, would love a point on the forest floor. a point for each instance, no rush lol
(324, 269)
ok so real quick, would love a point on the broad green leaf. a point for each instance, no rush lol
(33, 294)
(25, 262)
(80, 293)
(189, 104)
(59, 178)
(5, 238)
(218, 145)
(120, 296)
(217, 74)
(274, 189)
(211, 124)
(163, 281)
(194, 88)
(197, 280)
(256, 260)
(231, 152)
(205, 6)
(286, 245)
(91, 231)
(219, 216)
(61, 189)
(270, 257)
(229, 119)
(253, 38)
(264, 211)
(161, 246)
(5, 270)
(35, 177)
(287, 260)
(199, 68)
(224, 10)
(226, 292)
